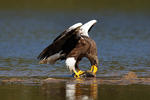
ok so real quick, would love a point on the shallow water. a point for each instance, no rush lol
(122, 41)
(123, 48)
(59, 89)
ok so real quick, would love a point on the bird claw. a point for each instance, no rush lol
(89, 73)
(93, 69)
(78, 74)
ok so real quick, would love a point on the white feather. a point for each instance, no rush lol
(70, 63)
(85, 28)
(74, 26)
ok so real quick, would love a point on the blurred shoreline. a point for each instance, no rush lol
(76, 5)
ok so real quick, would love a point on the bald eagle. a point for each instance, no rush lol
(72, 45)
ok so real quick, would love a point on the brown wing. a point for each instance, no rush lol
(61, 43)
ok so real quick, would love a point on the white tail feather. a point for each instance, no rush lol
(70, 63)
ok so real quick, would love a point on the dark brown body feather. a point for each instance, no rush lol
(72, 44)
(86, 47)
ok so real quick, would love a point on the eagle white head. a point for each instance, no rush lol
(84, 29)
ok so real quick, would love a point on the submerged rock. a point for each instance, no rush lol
(130, 75)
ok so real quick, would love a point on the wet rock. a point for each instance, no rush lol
(130, 75)
(87, 74)
(12, 80)
(52, 80)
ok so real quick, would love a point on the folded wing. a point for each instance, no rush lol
(61, 45)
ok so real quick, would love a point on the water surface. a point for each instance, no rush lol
(122, 41)
(123, 49)
(70, 90)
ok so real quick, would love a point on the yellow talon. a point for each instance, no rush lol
(77, 74)
(80, 72)
(94, 69)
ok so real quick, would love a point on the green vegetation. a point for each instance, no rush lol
(77, 5)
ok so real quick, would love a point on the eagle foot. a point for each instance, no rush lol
(78, 74)
(84, 74)
(93, 69)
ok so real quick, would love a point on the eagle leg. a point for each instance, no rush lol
(71, 64)
(80, 72)
(94, 69)
(77, 67)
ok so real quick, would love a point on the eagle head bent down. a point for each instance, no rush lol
(72, 45)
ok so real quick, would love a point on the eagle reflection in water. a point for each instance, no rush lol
(81, 91)
(78, 89)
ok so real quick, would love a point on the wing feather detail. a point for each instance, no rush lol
(60, 43)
